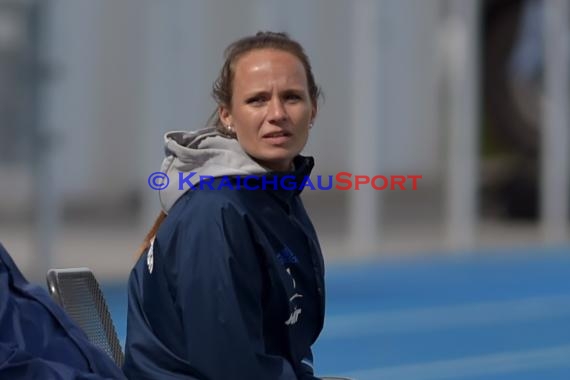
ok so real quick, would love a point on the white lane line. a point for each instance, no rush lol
(500, 363)
(437, 318)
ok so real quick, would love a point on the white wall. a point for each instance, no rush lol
(129, 70)
(94, 103)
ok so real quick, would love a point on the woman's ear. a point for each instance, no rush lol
(314, 113)
(314, 110)
(225, 115)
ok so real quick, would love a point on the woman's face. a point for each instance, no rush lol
(271, 108)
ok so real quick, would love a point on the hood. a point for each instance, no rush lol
(205, 152)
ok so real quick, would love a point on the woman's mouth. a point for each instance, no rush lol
(277, 138)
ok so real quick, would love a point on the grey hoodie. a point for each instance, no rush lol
(205, 152)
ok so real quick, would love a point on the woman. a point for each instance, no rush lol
(230, 282)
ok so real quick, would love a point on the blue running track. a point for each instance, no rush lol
(493, 315)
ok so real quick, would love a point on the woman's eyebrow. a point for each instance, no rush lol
(294, 89)
(255, 92)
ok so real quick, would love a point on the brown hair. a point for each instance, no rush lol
(223, 87)
(151, 234)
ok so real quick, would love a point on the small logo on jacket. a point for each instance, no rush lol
(286, 256)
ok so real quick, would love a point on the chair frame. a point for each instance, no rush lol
(53, 278)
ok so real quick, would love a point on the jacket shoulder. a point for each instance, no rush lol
(208, 205)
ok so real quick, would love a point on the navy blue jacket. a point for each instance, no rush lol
(38, 341)
(232, 288)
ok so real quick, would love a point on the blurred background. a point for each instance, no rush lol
(470, 94)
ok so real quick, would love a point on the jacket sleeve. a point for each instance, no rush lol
(220, 293)
(16, 364)
(56, 349)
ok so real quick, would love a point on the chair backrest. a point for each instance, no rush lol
(78, 292)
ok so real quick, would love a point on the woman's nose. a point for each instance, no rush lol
(276, 111)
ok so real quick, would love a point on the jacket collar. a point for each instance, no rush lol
(295, 178)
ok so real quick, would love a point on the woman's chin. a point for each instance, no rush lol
(277, 163)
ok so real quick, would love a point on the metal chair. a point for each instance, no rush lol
(78, 292)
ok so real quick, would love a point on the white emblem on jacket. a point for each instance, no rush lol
(294, 317)
(150, 257)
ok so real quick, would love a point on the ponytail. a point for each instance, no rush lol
(151, 234)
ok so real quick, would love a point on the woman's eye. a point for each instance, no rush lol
(293, 97)
(255, 100)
